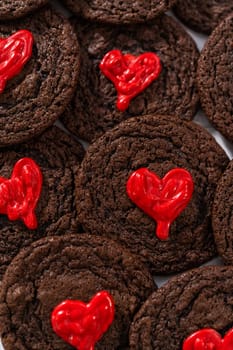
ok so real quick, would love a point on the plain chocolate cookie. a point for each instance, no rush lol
(200, 298)
(35, 98)
(117, 11)
(214, 78)
(11, 9)
(203, 16)
(74, 267)
(159, 143)
(58, 157)
(93, 109)
(222, 219)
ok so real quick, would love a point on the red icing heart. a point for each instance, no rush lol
(209, 339)
(130, 74)
(162, 199)
(82, 325)
(15, 51)
(19, 194)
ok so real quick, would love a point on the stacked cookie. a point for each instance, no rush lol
(81, 236)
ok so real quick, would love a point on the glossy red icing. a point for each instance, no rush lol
(130, 74)
(19, 194)
(209, 339)
(15, 51)
(162, 199)
(82, 325)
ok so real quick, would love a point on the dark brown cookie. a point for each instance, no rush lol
(35, 98)
(222, 215)
(200, 298)
(11, 9)
(214, 78)
(58, 157)
(117, 11)
(203, 16)
(93, 109)
(159, 143)
(72, 267)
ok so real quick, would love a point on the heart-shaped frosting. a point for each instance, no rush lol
(130, 74)
(15, 51)
(162, 199)
(209, 339)
(19, 194)
(82, 325)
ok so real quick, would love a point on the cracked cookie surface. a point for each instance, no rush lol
(222, 219)
(118, 11)
(214, 78)
(11, 9)
(201, 15)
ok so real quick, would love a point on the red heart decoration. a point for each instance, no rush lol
(82, 325)
(162, 199)
(15, 51)
(130, 74)
(19, 194)
(209, 339)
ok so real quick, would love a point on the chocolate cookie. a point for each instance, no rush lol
(35, 93)
(93, 110)
(58, 157)
(74, 267)
(222, 215)
(117, 11)
(203, 16)
(214, 78)
(11, 9)
(200, 298)
(159, 144)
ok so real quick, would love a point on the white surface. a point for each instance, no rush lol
(200, 119)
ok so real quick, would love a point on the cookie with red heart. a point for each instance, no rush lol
(130, 71)
(37, 191)
(149, 184)
(11, 9)
(117, 11)
(78, 292)
(192, 311)
(39, 64)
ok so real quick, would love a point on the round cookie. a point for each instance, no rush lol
(34, 98)
(11, 9)
(214, 78)
(93, 109)
(73, 267)
(58, 157)
(159, 143)
(222, 215)
(117, 11)
(198, 299)
(203, 16)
